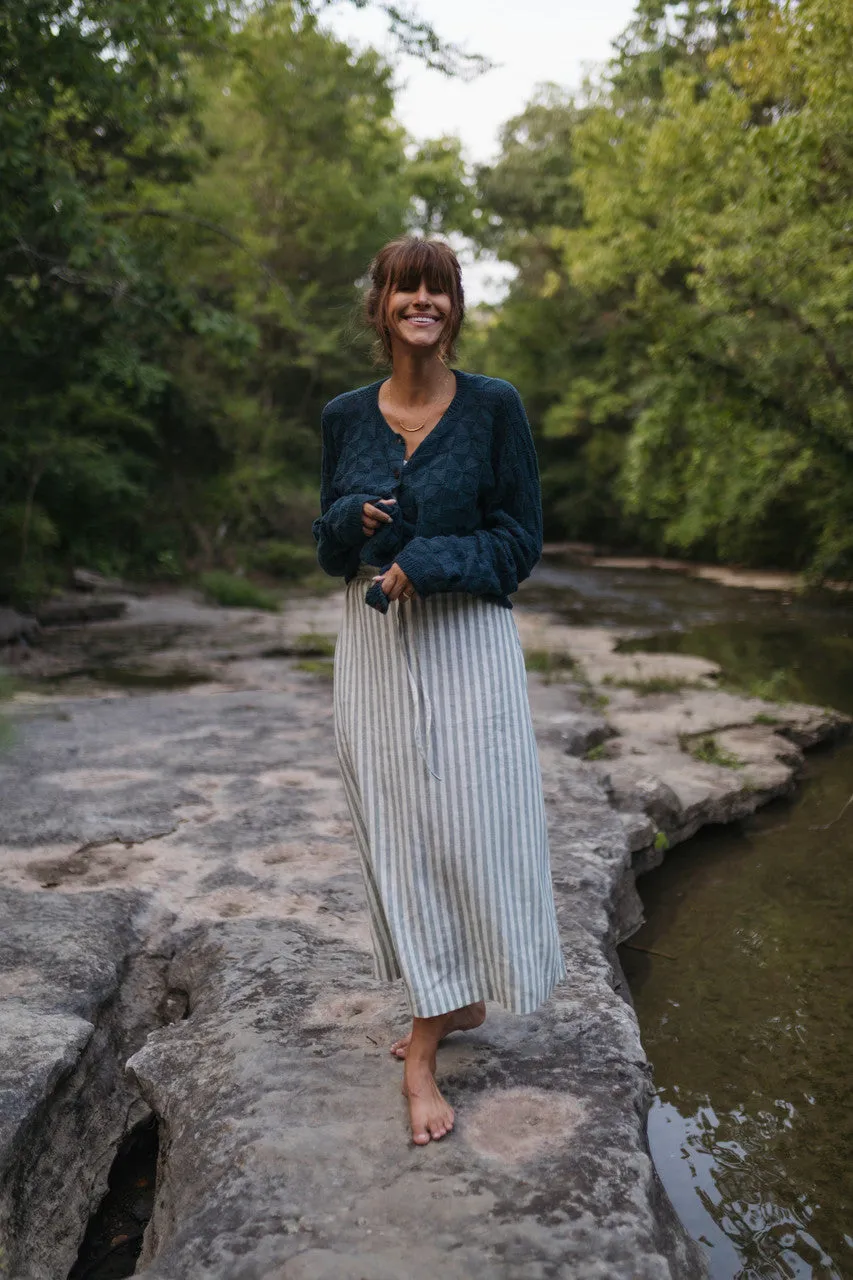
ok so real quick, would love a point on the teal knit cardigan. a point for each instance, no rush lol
(468, 515)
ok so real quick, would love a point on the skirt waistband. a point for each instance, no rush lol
(365, 572)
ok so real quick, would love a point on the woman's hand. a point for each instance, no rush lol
(372, 517)
(395, 583)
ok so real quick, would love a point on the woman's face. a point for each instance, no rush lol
(418, 317)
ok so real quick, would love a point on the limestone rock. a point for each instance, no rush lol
(632, 791)
(640, 831)
(16, 626)
(285, 1158)
(578, 731)
(64, 1104)
(74, 609)
(251, 1025)
(89, 580)
(284, 1145)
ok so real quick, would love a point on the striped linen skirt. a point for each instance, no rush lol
(436, 748)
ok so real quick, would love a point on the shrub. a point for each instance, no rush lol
(289, 560)
(228, 589)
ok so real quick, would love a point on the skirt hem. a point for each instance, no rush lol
(522, 1004)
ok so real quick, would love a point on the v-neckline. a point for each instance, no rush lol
(442, 422)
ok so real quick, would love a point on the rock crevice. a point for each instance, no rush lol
(88, 976)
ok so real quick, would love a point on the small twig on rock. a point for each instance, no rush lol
(837, 818)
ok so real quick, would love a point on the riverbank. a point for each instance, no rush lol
(182, 892)
(725, 575)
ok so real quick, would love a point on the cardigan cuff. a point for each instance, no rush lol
(343, 518)
(413, 567)
(376, 598)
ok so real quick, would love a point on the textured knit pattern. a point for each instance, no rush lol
(468, 515)
(454, 847)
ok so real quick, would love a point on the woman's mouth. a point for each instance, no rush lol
(422, 322)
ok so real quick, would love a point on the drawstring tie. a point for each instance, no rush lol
(422, 741)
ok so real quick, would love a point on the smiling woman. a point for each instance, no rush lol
(431, 477)
(417, 283)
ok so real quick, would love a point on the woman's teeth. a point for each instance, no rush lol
(422, 321)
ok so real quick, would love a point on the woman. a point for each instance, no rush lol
(430, 477)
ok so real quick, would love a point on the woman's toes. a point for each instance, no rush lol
(400, 1047)
(440, 1127)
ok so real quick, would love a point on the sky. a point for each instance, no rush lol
(532, 41)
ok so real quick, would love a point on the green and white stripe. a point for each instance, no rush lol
(438, 757)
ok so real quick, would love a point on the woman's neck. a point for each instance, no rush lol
(417, 376)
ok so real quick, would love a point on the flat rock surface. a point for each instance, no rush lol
(284, 1145)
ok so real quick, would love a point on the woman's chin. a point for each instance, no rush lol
(419, 341)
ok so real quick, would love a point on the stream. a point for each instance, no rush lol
(744, 1007)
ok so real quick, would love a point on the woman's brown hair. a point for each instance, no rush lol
(402, 264)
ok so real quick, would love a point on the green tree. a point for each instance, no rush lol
(680, 321)
(563, 348)
(725, 219)
(188, 201)
(94, 101)
(308, 176)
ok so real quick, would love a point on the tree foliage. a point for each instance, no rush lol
(190, 195)
(703, 291)
(95, 103)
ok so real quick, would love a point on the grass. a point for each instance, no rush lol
(764, 719)
(562, 666)
(553, 666)
(315, 644)
(773, 688)
(235, 592)
(654, 684)
(598, 752)
(290, 561)
(709, 751)
(592, 699)
(317, 667)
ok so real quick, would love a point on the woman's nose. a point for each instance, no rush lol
(422, 294)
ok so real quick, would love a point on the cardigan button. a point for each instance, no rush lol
(396, 473)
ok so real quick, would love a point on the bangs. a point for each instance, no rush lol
(428, 260)
(402, 265)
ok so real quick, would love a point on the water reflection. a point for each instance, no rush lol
(750, 1032)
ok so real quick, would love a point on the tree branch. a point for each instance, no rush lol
(416, 37)
(112, 215)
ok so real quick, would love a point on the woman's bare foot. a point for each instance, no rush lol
(431, 1117)
(464, 1019)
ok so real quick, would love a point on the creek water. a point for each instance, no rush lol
(745, 1011)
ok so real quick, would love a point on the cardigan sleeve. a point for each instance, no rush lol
(496, 558)
(337, 530)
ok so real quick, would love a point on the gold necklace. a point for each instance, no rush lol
(425, 421)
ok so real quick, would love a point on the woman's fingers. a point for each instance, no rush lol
(395, 583)
(374, 513)
(372, 516)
